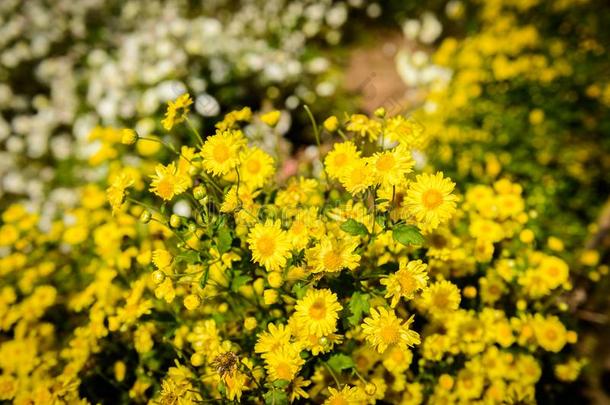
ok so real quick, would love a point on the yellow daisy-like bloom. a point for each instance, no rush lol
(364, 126)
(391, 166)
(333, 255)
(168, 182)
(220, 152)
(384, 329)
(346, 396)
(298, 389)
(161, 258)
(270, 245)
(396, 359)
(358, 178)
(256, 167)
(340, 159)
(410, 278)
(550, 333)
(116, 191)
(318, 312)
(407, 132)
(176, 111)
(283, 364)
(554, 270)
(430, 201)
(234, 198)
(441, 298)
(273, 340)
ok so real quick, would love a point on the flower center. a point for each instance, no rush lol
(431, 199)
(389, 333)
(553, 271)
(440, 300)
(385, 163)
(253, 166)
(318, 310)
(340, 159)
(551, 334)
(283, 371)
(332, 261)
(266, 245)
(165, 187)
(407, 283)
(221, 152)
(338, 401)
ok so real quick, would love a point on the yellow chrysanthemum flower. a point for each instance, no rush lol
(176, 111)
(318, 312)
(410, 278)
(441, 298)
(345, 396)
(384, 329)
(276, 338)
(270, 245)
(430, 201)
(333, 255)
(168, 181)
(161, 258)
(116, 191)
(220, 152)
(390, 167)
(550, 333)
(283, 364)
(339, 160)
(406, 131)
(256, 167)
(358, 178)
(364, 126)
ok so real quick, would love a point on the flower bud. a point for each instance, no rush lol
(128, 136)
(199, 192)
(270, 297)
(175, 221)
(158, 276)
(191, 302)
(370, 389)
(275, 279)
(331, 124)
(192, 227)
(145, 216)
(271, 118)
(197, 359)
(250, 323)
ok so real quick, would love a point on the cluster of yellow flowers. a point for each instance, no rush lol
(368, 283)
(524, 101)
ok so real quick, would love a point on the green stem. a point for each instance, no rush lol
(332, 373)
(197, 134)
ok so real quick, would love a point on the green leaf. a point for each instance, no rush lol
(281, 383)
(407, 235)
(358, 305)
(238, 281)
(189, 257)
(204, 279)
(224, 240)
(276, 397)
(340, 362)
(299, 289)
(354, 227)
